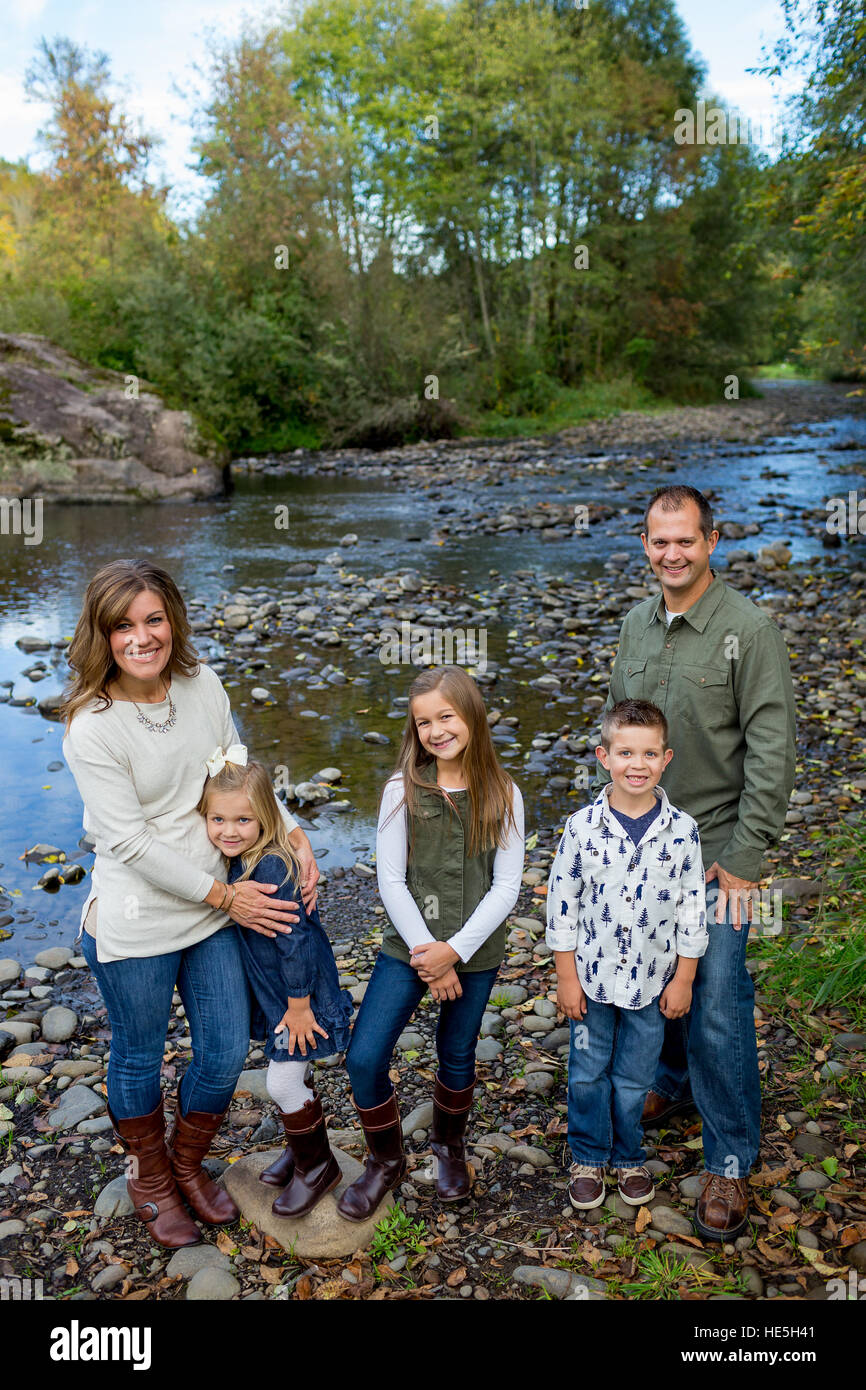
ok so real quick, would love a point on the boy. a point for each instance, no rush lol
(626, 920)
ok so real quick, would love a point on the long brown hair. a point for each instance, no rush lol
(255, 782)
(108, 596)
(488, 785)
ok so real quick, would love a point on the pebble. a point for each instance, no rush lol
(539, 1082)
(114, 1200)
(785, 1199)
(108, 1278)
(813, 1146)
(11, 1228)
(671, 1222)
(692, 1186)
(76, 1104)
(513, 994)
(55, 957)
(419, 1118)
(487, 1049)
(811, 1181)
(191, 1259)
(528, 1153)
(411, 1042)
(850, 1042)
(10, 970)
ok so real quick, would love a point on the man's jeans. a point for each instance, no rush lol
(393, 994)
(137, 993)
(714, 1048)
(611, 1063)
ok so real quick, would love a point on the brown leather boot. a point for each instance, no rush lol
(281, 1171)
(657, 1108)
(722, 1209)
(150, 1181)
(316, 1169)
(450, 1113)
(188, 1143)
(385, 1165)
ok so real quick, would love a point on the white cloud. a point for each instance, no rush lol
(24, 12)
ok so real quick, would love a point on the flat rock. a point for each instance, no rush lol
(323, 1233)
(9, 970)
(21, 1030)
(697, 1258)
(813, 1146)
(512, 994)
(811, 1181)
(114, 1200)
(671, 1222)
(488, 1049)
(59, 1023)
(76, 1104)
(560, 1283)
(254, 1082)
(528, 1153)
(692, 1186)
(55, 957)
(849, 1042)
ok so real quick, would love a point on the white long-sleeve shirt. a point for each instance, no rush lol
(391, 855)
(154, 862)
(627, 911)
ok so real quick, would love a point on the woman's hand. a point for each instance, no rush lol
(309, 868)
(433, 960)
(446, 987)
(298, 1025)
(255, 908)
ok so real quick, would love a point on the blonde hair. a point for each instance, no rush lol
(489, 787)
(108, 596)
(254, 780)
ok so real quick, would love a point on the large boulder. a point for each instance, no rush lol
(323, 1234)
(76, 433)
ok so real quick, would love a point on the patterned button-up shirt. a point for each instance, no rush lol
(627, 911)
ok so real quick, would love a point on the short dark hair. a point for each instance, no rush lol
(674, 498)
(640, 712)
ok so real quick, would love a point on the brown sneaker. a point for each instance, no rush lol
(657, 1108)
(635, 1186)
(723, 1208)
(586, 1188)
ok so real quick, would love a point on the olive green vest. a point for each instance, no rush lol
(445, 881)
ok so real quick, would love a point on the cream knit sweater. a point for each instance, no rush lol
(154, 862)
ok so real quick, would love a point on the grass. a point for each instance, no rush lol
(663, 1276)
(395, 1229)
(832, 970)
(592, 400)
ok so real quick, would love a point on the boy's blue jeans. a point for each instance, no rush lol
(611, 1064)
(712, 1054)
(137, 992)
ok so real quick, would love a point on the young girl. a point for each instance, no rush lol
(449, 854)
(298, 1003)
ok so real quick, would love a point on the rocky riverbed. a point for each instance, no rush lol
(318, 686)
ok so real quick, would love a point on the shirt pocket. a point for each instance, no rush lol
(705, 696)
(633, 676)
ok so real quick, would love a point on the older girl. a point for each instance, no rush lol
(142, 716)
(449, 856)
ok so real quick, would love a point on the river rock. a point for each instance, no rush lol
(528, 1153)
(560, 1283)
(539, 1082)
(9, 970)
(321, 1234)
(8, 1042)
(212, 1285)
(327, 774)
(76, 1104)
(512, 994)
(59, 1023)
(813, 1146)
(849, 1042)
(114, 1200)
(253, 1081)
(671, 1222)
(189, 1259)
(810, 1180)
(419, 1118)
(488, 1049)
(74, 433)
(55, 957)
(21, 1029)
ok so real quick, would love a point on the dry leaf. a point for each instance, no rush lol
(71, 1266)
(643, 1219)
(852, 1234)
(225, 1244)
(782, 1123)
(456, 1277)
(850, 1150)
(814, 1259)
(270, 1274)
(304, 1287)
(137, 1295)
(775, 1256)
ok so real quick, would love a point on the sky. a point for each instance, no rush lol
(153, 49)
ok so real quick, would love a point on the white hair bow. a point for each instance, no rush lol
(236, 754)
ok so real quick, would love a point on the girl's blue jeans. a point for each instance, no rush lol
(611, 1064)
(393, 994)
(137, 993)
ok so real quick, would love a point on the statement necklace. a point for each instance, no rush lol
(166, 724)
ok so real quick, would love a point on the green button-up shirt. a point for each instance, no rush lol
(720, 673)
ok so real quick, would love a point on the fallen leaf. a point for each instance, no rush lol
(270, 1274)
(850, 1150)
(813, 1257)
(782, 1123)
(71, 1266)
(643, 1219)
(225, 1244)
(775, 1256)
(456, 1277)
(304, 1287)
(136, 1296)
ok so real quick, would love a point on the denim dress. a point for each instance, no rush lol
(292, 965)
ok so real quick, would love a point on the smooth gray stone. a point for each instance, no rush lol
(77, 1103)
(191, 1258)
(212, 1285)
(114, 1200)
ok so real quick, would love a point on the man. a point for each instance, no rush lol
(718, 668)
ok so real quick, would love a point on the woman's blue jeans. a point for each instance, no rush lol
(137, 993)
(611, 1063)
(393, 994)
(712, 1053)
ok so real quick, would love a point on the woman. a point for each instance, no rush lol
(142, 716)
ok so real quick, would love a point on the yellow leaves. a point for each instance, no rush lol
(813, 1257)
(642, 1220)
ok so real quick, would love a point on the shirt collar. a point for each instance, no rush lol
(601, 811)
(700, 612)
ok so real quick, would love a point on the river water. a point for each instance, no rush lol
(216, 548)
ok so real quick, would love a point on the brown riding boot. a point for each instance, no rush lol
(450, 1113)
(188, 1143)
(316, 1169)
(281, 1171)
(385, 1165)
(150, 1181)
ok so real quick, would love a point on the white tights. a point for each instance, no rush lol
(286, 1085)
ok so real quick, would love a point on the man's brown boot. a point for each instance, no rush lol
(188, 1143)
(722, 1209)
(657, 1108)
(385, 1165)
(150, 1181)
(450, 1113)
(316, 1169)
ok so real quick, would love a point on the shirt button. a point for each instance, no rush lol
(628, 900)
(667, 644)
(661, 682)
